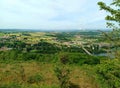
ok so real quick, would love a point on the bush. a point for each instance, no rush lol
(62, 74)
(109, 74)
(35, 78)
(80, 59)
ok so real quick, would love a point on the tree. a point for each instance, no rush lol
(113, 22)
(114, 16)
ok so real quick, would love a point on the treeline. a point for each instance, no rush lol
(70, 58)
(40, 47)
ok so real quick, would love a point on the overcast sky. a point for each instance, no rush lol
(51, 14)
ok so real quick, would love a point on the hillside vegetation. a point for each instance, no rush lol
(57, 60)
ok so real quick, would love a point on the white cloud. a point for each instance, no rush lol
(49, 13)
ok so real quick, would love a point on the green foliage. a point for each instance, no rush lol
(63, 36)
(45, 48)
(72, 58)
(72, 49)
(10, 85)
(9, 55)
(29, 56)
(114, 13)
(109, 73)
(35, 78)
(113, 22)
(17, 55)
(80, 59)
(62, 74)
(1, 34)
(22, 74)
(25, 34)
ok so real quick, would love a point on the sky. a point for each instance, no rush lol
(51, 14)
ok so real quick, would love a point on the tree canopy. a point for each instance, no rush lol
(114, 17)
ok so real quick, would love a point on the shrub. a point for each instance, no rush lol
(62, 74)
(35, 78)
(80, 59)
(22, 73)
(109, 74)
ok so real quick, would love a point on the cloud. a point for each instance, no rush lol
(53, 14)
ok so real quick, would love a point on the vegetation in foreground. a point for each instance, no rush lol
(60, 70)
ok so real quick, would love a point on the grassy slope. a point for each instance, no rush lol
(18, 74)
